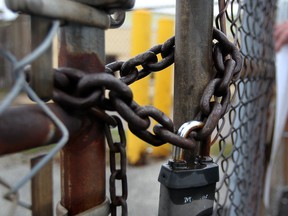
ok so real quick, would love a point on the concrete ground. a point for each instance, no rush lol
(143, 186)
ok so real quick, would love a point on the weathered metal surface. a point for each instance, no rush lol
(15, 38)
(76, 90)
(74, 39)
(27, 127)
(41, 79)
(83, 170)
(193, 40)
(118, 172)
(42, 189)
(63, 10)
(83, 158)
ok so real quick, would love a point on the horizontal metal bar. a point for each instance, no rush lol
(26, 127)
(64, 10)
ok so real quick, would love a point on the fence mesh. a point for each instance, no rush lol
(243, 131)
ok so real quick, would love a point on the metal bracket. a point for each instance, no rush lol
(101, 210)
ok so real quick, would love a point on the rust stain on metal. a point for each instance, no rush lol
(14, 126)
(83, 169)
(83, 158)
(89, 61)
(26, 127)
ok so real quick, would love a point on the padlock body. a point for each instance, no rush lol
(187, 191)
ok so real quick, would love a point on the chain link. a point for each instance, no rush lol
(76, 90)
(148, 61)
(87, 92)
(117, 174)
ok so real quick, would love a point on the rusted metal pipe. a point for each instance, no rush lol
(63, 10)
(83, 157)
(193, 59)
(26, 127)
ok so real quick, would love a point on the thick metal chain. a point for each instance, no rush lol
(86, 92)
(76, 90)
(118, 147)
(147, 60)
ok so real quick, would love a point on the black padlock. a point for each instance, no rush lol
(187, 191)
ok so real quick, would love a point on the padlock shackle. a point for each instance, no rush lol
(188, 127)
(184, 131)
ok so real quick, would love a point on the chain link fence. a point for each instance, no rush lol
(245, 139)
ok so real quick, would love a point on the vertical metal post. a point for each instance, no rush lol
(41, 69)
(193, 58)
(83, 158)
(42, 189)
(15, 38)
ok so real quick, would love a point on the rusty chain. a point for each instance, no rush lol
(75, 90)
(147, 60)
(115, 148)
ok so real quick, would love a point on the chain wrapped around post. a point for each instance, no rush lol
(75, 90)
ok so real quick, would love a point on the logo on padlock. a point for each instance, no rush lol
(185, 190)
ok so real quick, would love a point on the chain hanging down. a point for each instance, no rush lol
(117, 174)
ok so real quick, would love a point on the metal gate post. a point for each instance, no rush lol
(193, 58)
(83, 158)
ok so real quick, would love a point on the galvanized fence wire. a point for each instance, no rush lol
(20, 84)
(243, 131)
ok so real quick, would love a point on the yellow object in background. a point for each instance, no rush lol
(163, 83)
(140, 42)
